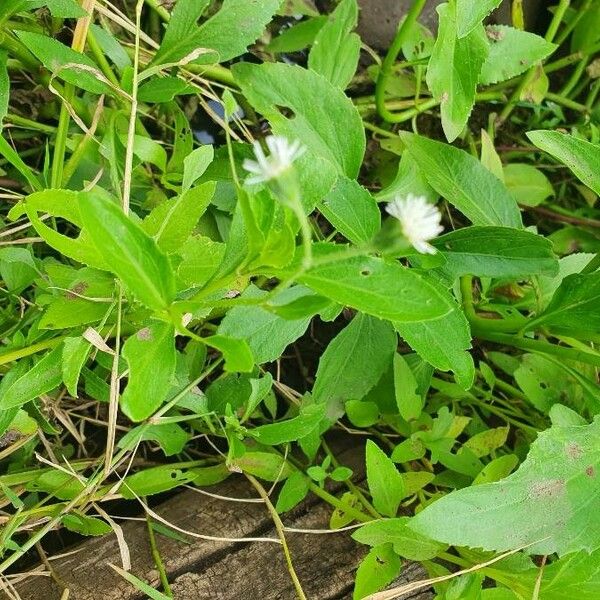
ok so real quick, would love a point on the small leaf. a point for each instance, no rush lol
(408, 400)
(84, 525)
(195, 164)
(267, 466)
(294, 490)
(291, 429)
(151, 356)
(385, 483)
(379, 568)
(528, 185)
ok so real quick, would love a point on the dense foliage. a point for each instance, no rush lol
(408, 253)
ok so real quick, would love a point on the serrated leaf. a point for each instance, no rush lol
(464, 182)
(470, 13)
(354, 361)
(512, 52)
(336, 49)
(379, 288)
(151, 356)
(496, 252)
(454, 69)
(583, 158)
(128, 251)
(331, 129)
(385, 482)
(551, 501)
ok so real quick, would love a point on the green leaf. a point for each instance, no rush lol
(84, 525)
(336, 49)
(291, 430)
(267, 466)
(551, 502)
(164, 89)
(151, 356)
(172, 222)
(140, 585)
(383, 289)
(155, 480)
(527, 185)
(496, 252)
(454, 69)
(379, 568)
(171, 437)
(385, 482)
(408, 400)
(55, 56)
(130, 253)
(485, 442)
(470, 13)
(229, 32)
(61, 9)
(407, 543)
(575, 306)
(354, 361)
(497, 469)
(583, 158)
(200, 258)
(75, 353)
(45, 375)
(443, 343)
(512, 52)
(4, 86)
(194, 165)
(236, 352)
(352, 210)
(294, 490)
(331, 129)
(362, 413)
(464, 182)
(298, 37)
(266, 333)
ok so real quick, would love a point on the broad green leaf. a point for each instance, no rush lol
(290, 430)
(267, 466)
(336, 49)
(527, 185)
(267, 334)
(444, 343)
(18, 268)
(407, 543)
(485, 442)
(331, 129)
(496, 252)
(128, 251)
(575, 306)
(200, 258)
(489, 157)
(55, 56)
(379, 568)
(409, 180)
(587, 31)
(60, 9)
(352, 210)
(454, 69)
(385, 482)
(464, 182)
(150, 354)
(512, 52)
(551, 502)
(111, 47)
(383, 289)
(294, 490)
(583, 158)
(497, 469)
(362, 413)
(470, 13)
(85, 525)
(195, 164)
(229, 32)
(172, 222)
(155, 480)
(164, 89)
(45, 375)
(354, 361)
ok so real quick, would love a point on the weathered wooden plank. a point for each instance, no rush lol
(218, 570)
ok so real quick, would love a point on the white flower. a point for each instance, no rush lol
(419, 219)
(282, 155)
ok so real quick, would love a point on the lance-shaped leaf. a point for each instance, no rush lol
(130, 253)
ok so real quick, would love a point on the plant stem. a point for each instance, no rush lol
(390, 58)
(281, 533)
(162, 573)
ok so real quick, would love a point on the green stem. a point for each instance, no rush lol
(390, 59)
(582, 108)
(538, 346)
(164, 578)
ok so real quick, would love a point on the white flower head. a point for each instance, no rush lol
(282, 155)
(420, 221)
